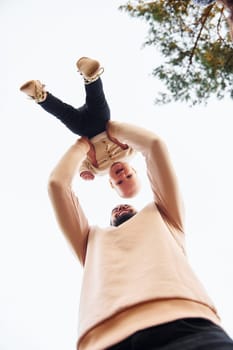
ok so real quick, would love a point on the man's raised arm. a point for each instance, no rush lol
(160, 170)
(69, 213)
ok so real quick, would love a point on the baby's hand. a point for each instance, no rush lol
(87, 175)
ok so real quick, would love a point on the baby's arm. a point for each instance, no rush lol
(87, 175)
(85, 172)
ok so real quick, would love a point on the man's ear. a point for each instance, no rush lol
(111, 184)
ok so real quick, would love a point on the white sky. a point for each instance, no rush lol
(40, 278)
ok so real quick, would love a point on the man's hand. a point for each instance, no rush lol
(91, 153)
(113, 139)
(87, 175)
(84, 140)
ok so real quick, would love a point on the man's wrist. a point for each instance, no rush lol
(84, 144)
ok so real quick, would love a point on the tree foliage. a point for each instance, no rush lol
(196, 47)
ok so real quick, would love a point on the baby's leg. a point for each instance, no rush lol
(97, 108)
(74, 118)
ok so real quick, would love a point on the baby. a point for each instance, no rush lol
(92, 121)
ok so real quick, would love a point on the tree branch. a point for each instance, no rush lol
(204, 19)
(218, 24)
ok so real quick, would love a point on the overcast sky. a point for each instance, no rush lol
(40, 278)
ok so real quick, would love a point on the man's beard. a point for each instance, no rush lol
(122, 218)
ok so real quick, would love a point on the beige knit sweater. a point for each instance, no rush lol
(137, 274)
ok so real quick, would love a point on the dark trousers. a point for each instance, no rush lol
(183, 334)
(88, 120)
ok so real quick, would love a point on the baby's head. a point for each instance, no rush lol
(124, 179)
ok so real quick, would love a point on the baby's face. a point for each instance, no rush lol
(124, 179)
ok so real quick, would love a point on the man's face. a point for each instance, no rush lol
(124, 179)
(122, 213)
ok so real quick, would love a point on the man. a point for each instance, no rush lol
(138, 290)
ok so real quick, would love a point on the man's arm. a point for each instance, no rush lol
(160, 170)
(69, 213)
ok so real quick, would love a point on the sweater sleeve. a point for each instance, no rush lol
(160, 170)
(85, 166)
(68, 211)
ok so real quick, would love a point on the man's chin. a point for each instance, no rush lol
(122, 218)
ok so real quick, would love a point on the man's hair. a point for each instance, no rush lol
(120, 219)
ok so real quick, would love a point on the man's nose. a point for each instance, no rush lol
(121, 207)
